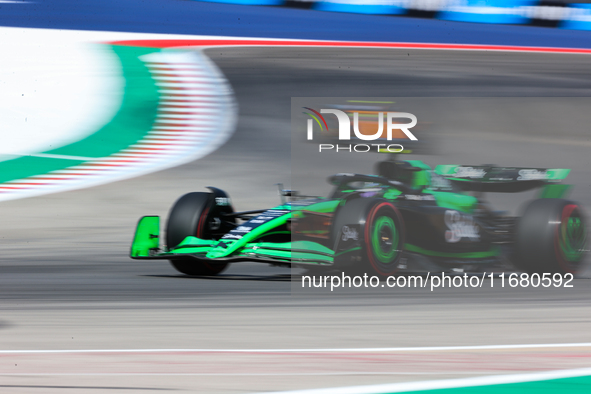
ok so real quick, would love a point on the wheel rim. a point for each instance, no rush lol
(572, 235)
(385, 239)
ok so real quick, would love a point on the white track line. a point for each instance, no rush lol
(335, 350)
(231, 374)
(447, 383)
(50, 156)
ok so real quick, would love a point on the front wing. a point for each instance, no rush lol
(146, 246)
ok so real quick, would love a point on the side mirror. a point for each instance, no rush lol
(285, 193)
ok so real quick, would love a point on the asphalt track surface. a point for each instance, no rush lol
(66, 281)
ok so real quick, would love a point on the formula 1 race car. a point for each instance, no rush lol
(407, 217)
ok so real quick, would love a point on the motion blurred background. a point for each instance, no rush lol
(67, 284)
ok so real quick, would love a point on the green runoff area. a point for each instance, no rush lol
(574, 385)
(573, 381)
(131, 123)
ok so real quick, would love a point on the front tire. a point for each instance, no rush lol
(381, 235)
(197, 214)
(551, 237)
(384, 238)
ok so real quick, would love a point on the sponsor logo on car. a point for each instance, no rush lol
(263, 218)
(460, 226)
(470, 172)
(349, 233)
(276, 212)
(232, 236)
(532, 175)
(419, 197)
(222, 201)
(440, 183)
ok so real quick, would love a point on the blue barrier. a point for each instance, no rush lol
(492, 11)
(247, 2)
(580, 19)
(510, 12)
(209, 18)
(374, 9)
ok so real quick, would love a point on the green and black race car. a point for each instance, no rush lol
(407, 217)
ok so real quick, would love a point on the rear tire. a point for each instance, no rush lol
(196, 214)
(551, 237)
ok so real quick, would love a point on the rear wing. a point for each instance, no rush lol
(486, 178)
